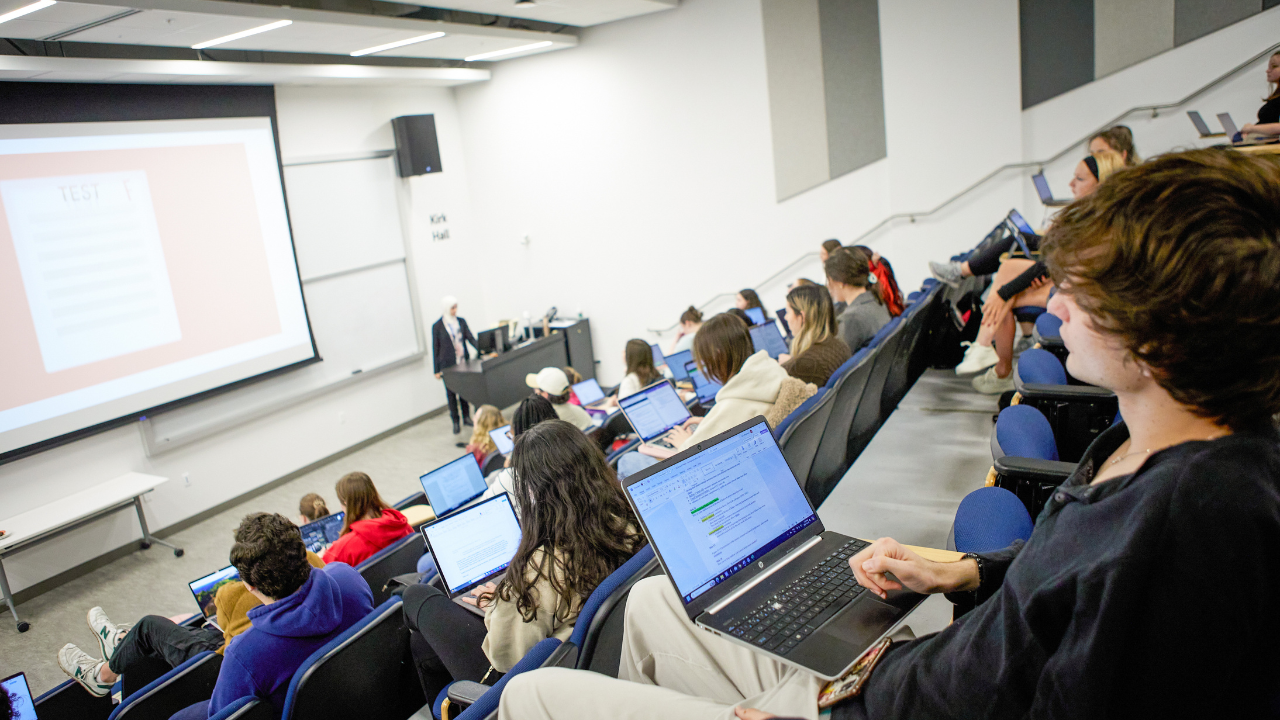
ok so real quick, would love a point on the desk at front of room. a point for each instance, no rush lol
(499, 380)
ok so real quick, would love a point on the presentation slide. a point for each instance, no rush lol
(451, 485)
(140, 263)
(475, 544)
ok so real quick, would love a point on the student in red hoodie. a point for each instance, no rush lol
(370, 524)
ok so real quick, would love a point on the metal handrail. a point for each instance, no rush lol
(1153, 109)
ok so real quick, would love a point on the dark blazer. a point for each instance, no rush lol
(442, 345)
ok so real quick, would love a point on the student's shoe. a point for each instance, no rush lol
(988, 383)
(108, 633)
(456, 427)
(83, 669)
(1024, 343)
(467, 421)
(948, 272)
(977, 358)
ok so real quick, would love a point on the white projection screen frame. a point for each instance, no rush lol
(149, 262)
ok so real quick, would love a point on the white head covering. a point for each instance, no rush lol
(450, 321)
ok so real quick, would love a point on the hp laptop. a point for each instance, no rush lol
(502, 438)
(24, 708)
(676, 363)
(453, 485)
(1201, 126)
(702, 385)
(322, 533)
(205, 589)
(473, 546)
(767, 337)
(750, 559)
(654, 411)
(756, 315)
(1046, 195)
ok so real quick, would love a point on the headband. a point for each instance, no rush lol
(1092, 163)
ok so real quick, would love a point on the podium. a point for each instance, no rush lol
(499, 381)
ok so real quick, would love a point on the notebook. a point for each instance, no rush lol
(205, 589)
(473, 546)
(767, 337)
(24, 708)
(322, 533)
(654, 411)
(453, 485)
(502, 438)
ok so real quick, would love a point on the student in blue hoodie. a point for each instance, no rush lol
(302, 609)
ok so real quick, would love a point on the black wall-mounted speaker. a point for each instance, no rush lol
(417, 149)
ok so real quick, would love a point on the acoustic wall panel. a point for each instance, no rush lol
(1197, 18)
(1057, 47)
(854, 83)
(1126, 32)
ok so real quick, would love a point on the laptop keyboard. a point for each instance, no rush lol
(784, 620)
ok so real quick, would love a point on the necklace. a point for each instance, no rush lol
(1148, 450)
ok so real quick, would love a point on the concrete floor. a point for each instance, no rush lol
(907, 484)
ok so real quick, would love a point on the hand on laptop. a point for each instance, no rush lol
(886, 555)
(683, 432)
(486, 589)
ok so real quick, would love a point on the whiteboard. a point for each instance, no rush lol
(357, 288)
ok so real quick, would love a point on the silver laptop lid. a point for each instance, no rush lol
(1228, 124)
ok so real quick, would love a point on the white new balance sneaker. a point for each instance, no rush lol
(83, 668)
(108, 633)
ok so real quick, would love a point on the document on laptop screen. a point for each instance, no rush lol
(655, 410)
(676, 363)
(719, 510)
(767, 337)
(449, 486)
(475, 543)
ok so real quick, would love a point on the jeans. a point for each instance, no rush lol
(633, 462)
(444, 638)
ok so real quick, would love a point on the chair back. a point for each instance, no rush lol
(598, 630)
(1049, 325)
(492, 463)
(398, 558)
(801, 436)
(246, 708)
(488, 703)
(990, 518)
(828, 463)
(1040, 367)
(1023, 431)
(69, 701)
(366, 671)
(900, 377)
(185, 685)
(870, 413)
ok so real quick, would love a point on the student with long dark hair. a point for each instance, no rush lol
(640, 370)
(816, 350)
(850, 281)
(747, 299)
(370, 523)
(531, 411)
(576, 528)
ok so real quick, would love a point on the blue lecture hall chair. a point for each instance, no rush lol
(246, 708)
(398, 558)
(1077, 413)
(990, 518)
(189, 683)
(800, 433)
(1023, 431)
(847, 385)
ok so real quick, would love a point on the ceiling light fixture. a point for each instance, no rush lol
(241, 34)
(508, 51)
(398, 43)
(27, 10)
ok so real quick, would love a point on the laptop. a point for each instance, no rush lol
(24, 708)
(502, 438)
(1201, 126)
(756, 315)
(473, 546)
(654, 411)
(767, 337)
(1023, 229)
(205, 589)
(750, 559)
(589, 393)
(658, 360)
(1230, 126)
(453, 485)
(702, 385)
(676, 364)
(322, 533)
(1046, 195)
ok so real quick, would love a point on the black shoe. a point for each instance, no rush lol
(456, 427)
(467, 422)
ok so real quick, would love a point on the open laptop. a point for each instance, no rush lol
(1023, 229)
(1201, 126)
(654, 411)
(589, 393)
(473, 546)
(676, 363)
(322, 533)
(205, 589)
(756, 315)
(24, 708)
(702, 385)
(502, 438)
(1046, 195)
(750, 559)
(658, 360)
(1230, 126)
(767, 337)
(453, 485)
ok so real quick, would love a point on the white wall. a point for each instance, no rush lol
(640, 163)
(313, 122)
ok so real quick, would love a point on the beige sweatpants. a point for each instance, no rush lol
(669, 669)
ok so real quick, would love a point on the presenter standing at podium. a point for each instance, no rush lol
(449, 338)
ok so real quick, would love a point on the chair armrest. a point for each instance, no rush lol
(1045, 471)
(565, 656)
(465, 692)
(1036, 391)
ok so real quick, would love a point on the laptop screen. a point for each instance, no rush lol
(705, 388)
(767, 337)
(658, 360)
(206, 588)
(717, 511)
(24, 708)
(1201, 126)
(475, 543)
(676, 364)
(756, 315)
(502, 438)
(588, 391)
(1042, 187)
(654, 410)
(322, 533)
(1228, 124)
(451, 486)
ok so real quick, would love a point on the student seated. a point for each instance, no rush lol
(817, 350)
(1170, 272)
(641, 373)
(850, 281)
(828, 247)
(370, 524)
(552, 384)
(311, 508)
(531, 411)
(747, 299)
(582, 531)
(126, 647)
(574, 377)
(487, 418)
(885, 280)
(690, 322)
(754, 384)
(1268, 124)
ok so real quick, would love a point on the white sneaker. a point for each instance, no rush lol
(108, 633)
(948, 272)
(977, 358)
(988, 383)
(83, 669)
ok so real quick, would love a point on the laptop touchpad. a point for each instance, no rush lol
(862, 622)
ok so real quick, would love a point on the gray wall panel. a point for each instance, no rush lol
(1197, 18)
(854, 83)
(1126, 32)
(1057, 47)
(797, 108)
